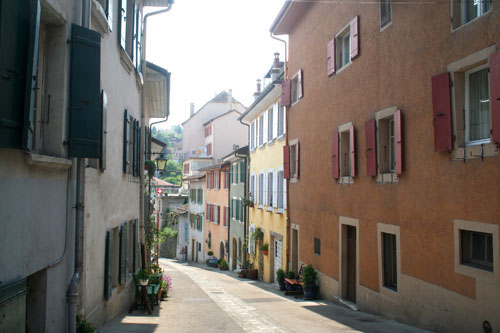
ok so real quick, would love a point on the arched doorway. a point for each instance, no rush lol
(235, 251)
(221, 250)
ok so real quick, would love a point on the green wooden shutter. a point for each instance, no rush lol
(108, 265)
(134, 246)
(19, 28)
(126, 240)
(85, 93)
(123, 256)
(242, 171)
(104, 130)
(126, 135)
(134, 150)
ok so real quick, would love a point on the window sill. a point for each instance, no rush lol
(387, 178)
(294, 180)
(346, 180)
(261, 206)
(385, 26)
(341, 69)
(99, 18)
(453, 30)
(281, 137)
(125, 60)
(280, 211)
(45, 161)
(270, 209)
(471, 152)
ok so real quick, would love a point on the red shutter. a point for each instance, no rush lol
(398, 137)
(353, 151)
(335, 155)
(286, 98)
(300, 85)
(354, 36)
(441, 107)
(297, 159)
(495, 96)
(330, 57)
(286, 162)
(371, 148)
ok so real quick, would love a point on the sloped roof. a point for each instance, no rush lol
(161, 182)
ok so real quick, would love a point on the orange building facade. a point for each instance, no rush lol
(393, 115)
(217, 210)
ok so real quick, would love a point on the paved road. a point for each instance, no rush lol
(207, 300)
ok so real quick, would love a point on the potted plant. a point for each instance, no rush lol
(142, 277)
(166, 285)
(247, 202)
(210, 253)
(309, 277)
(280, 276)
(150, 166)
(265, 249)
(223, 265)
(291, 275)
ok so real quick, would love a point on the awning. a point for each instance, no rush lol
(157, 91)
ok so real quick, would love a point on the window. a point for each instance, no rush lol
(296, 87)
(200, 196)
(226, 179)
(226, 216)
(465, 117)
(185, 168)
(467, 10)
(384, 145)
(291, 160)
(242, 171)
(344, 47)
(216, 175)
(385, 12)
(209, 149)
(477, 106)
(261, 130)
(252, 188)
(281, 120)
(343, 154)
(476, 249)
(208, 130)
(130, 31)
(270, 124)
(281, 193)
(270, 189)
(389, 261)
(261, 190)
(317, 246)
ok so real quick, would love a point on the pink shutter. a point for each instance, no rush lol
(286, 96)
(300, 85)
(398, 137)
(354, 36)
(441, 109)
(495, 96)
(330, 57)
(353, 151)
(286, 162)
(335, 155)
(371, 148)
(297, 159)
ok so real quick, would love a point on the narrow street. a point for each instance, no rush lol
(207, 300)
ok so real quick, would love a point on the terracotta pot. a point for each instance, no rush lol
(265, 252)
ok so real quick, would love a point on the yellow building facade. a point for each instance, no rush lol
(267, 218)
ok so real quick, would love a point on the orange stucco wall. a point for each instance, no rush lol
(394, 68)
(219, 233)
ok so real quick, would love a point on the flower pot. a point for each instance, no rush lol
(310, 291)
(282, 285)
(143, 282)
(254, 274)
(265, 252)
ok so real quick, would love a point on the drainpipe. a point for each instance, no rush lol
(72, 295)
(288, 222)
(247, 210)
(143, 119)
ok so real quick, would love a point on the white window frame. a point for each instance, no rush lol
(457, 70)
(281, 120)
(270, 189)
(468, 142)
(261, 131)
(293, 176)
(270, 124)
(345, 150)
(458, 8)
(474, 272)
(343, 34)
(388, 5)
(261, 189)
(294, 94)
(281, 191)
(389, 175)
(394, 230)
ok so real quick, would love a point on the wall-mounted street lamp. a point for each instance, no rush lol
(161, 163)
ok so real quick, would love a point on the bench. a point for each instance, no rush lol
(295, 285)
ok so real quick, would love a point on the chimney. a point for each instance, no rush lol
(275, 71)
(257, 93)
(191, 109)
(230, 100)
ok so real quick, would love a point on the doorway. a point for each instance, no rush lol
(348, 262)
(192, 249)
(278, 257)
(221, 250)
(235, 250)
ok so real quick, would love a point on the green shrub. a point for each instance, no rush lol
(82, 326)
(280, 275)
(291, 275)
(310, 275)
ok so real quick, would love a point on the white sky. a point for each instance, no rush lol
(213, 45)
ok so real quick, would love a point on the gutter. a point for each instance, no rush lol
(72, 294)
(143, 117)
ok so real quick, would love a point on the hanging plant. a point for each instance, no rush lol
(150, 166)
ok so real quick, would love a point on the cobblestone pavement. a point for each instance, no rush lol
(208, 300)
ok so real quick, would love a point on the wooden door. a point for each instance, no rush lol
(351, 264)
